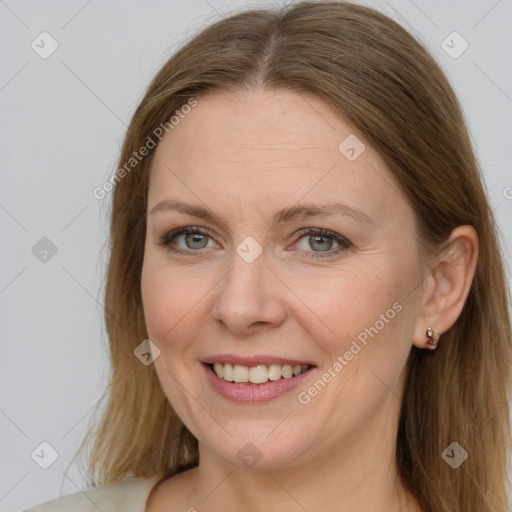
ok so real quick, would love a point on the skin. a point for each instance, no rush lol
(246, 156)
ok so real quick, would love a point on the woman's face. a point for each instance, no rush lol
(256, 288)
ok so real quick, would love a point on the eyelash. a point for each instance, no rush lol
(344, 244)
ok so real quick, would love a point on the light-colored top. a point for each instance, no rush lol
(128, 495)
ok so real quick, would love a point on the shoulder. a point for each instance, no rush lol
(128, 495)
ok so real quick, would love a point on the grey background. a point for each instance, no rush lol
(62, 122)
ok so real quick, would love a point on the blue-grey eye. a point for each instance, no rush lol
(319, 243)
(194, 240)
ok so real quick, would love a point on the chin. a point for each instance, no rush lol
(255, 449)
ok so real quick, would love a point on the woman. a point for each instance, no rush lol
(305, 239)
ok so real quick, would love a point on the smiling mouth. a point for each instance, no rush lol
(258, 374)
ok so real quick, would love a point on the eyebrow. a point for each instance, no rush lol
(300, 211)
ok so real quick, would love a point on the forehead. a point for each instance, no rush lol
(258, 120)
(264, 147)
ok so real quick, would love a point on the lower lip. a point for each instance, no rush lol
(253, 393)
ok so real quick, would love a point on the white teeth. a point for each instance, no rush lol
(287, 371)
(218, 368)
(258, 374)
(240, 373)
(227, 372)
(274, 372)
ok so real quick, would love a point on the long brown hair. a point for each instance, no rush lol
(373, 72)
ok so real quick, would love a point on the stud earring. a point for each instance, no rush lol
(433, 337)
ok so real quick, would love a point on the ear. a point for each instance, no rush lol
(447, 287)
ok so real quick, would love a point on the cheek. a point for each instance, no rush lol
(174, 304)
(164, 300)
(171, 310)
(365, 315)
(348, 303)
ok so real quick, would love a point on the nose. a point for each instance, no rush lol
(250, 297)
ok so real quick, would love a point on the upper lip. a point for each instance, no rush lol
(253, 360)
